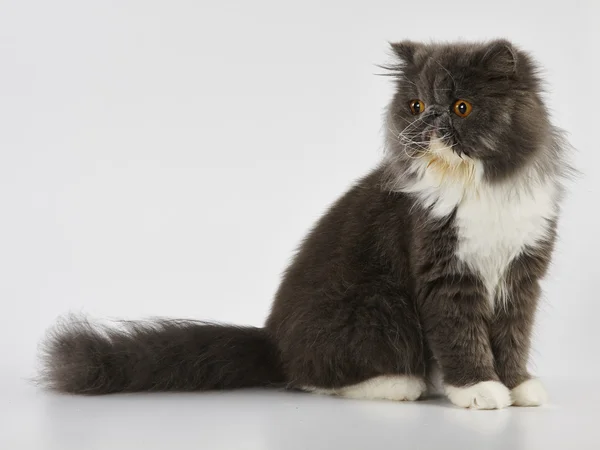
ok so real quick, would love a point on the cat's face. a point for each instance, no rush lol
(467, 102)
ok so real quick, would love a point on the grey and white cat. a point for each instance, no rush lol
(431, 261)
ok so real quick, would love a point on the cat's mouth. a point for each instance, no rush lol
(440, 148)
(446, 165)
(447, 140)
(444, 162)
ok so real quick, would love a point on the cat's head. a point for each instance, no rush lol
(461, 107)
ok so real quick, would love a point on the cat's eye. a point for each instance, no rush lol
(462, 108)
(416, 106)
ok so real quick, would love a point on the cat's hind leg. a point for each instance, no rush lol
(365, 344)
(384, 387)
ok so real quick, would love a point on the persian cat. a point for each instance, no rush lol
(430, 264)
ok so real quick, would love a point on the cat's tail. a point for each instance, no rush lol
(81, 357)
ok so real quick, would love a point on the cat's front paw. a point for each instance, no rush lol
(483, 395)
(529, 393)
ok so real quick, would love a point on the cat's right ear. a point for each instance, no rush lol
(406, 51)
(500, 56)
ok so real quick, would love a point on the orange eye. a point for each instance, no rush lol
(416, 106)
(462, 108)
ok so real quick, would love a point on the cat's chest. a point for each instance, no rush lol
(496, 224)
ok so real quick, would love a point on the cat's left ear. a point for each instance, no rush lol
(500, 56)
(407, 51)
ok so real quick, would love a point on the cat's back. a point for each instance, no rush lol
(364, 234)
(365, 217)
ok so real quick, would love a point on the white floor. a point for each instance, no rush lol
(32, 419)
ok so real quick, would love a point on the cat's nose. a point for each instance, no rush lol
(436, 111)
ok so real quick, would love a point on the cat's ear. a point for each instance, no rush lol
(406, 51)
(500, 56)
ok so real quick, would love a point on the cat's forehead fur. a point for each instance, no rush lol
(460, 55)
(441, 71)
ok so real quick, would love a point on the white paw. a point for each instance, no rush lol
(529, 393)
(483, 395)
(386, 387)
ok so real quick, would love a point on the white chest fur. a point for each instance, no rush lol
(495, 223)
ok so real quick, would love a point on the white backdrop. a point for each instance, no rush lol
(166, 158)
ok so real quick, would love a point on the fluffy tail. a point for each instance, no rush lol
(160, 355)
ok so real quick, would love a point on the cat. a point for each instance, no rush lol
(430, 263)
